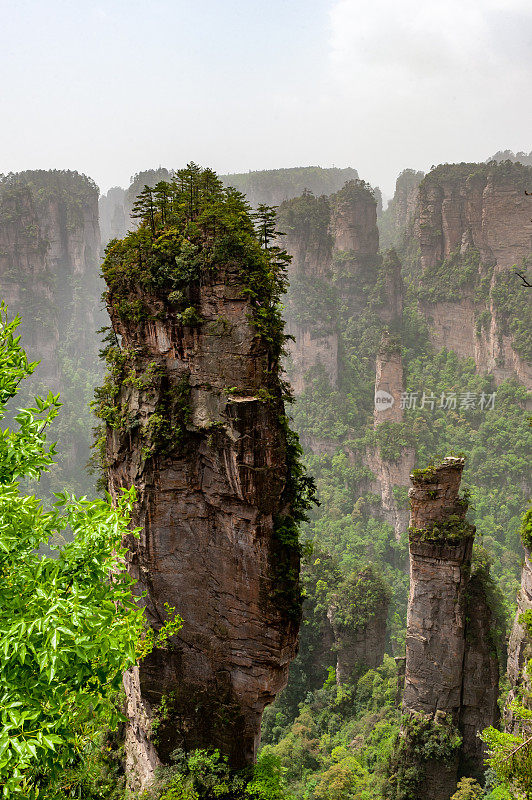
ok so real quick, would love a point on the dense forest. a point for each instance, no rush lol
(420, 303)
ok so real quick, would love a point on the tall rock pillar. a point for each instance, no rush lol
(451, 678)
(441, 543)
(197, 424)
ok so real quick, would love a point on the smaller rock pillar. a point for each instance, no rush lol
(441, 543)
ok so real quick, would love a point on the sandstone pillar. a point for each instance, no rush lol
(198, 426)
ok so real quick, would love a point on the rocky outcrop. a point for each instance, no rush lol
(390, 475)
(274, 186)
(334, 245)
(201, 434)
(310, 349)
(390, 308)
(439, 564)
(451, 665)
(388, 382)
(49, 247)
(310, 321)
(358, 613)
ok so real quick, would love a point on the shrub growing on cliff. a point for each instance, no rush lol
(67, 632)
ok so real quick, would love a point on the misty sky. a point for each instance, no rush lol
(113, 87)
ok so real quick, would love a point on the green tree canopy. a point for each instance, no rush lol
(69, 623)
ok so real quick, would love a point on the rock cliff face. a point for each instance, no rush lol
(112, 211)
(389, 475)
(480, 686)
(438, 582)
(472, 225)
(49, 247)
(388, 382)
(305, 222)
(274, 186)
(451, 667)
(202, 436)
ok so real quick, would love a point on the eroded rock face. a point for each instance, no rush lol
(439, 574)
(305, 222)
(208, 455)
(396, 473)
(388, 475)
(318, 230)
(50, 277)
(405, 198)
(358, 649)
(388, 382)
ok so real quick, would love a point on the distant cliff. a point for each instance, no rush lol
(334, 245)
(473, 228)
(273, 186)
(396, 219)
(49, 274)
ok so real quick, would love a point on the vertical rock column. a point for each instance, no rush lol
(200, 431)
(441, 542)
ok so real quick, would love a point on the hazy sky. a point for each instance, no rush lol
(113, 87)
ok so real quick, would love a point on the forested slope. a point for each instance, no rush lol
(448, 340)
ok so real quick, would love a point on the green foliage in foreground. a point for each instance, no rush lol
(339, 745)
(203, 775)
(69, 625)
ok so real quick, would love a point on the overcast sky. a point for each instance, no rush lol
(113, 87)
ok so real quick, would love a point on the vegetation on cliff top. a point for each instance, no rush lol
(190, 229)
